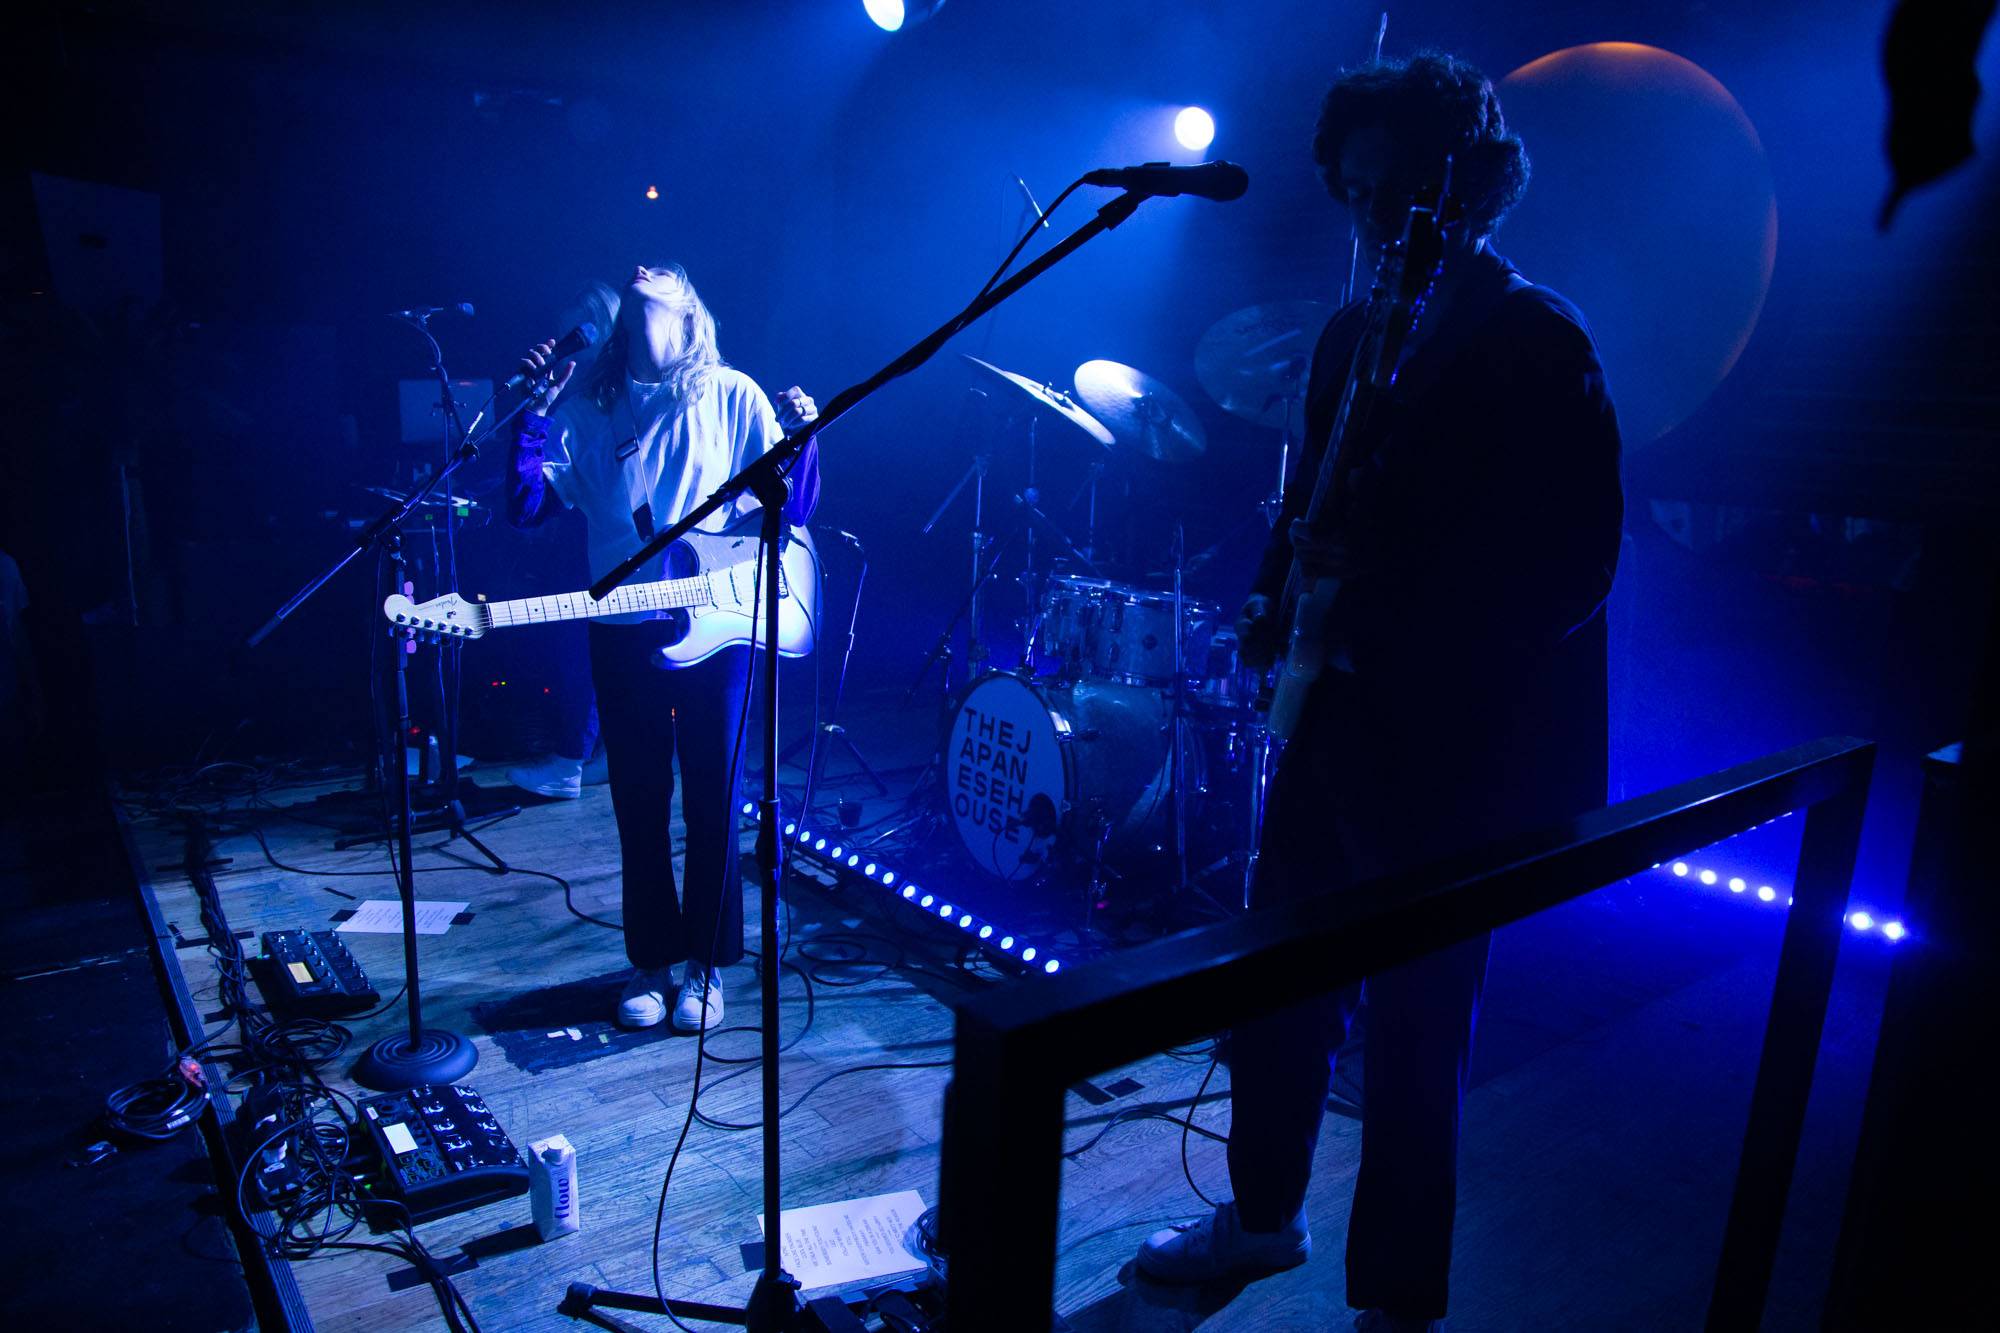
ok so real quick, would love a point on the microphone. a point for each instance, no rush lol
(1220, 181)
(424, 312)
(582, 336)
(1029, 195)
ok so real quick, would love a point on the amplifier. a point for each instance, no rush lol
(311, 974)
(441, 1151)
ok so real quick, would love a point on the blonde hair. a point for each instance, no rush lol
(685, 377)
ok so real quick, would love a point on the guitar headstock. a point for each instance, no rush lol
(449, 616)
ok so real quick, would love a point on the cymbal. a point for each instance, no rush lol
(1254, 362)
(1052, 398)
(1143, 413)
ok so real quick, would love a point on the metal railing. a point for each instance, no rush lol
(1019, 1048)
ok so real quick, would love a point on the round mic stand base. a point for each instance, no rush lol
(436, 1056)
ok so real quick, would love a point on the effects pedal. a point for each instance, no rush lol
(441, 1151)
(310, 974)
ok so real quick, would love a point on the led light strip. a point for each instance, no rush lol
(828, 850)
(1861, 921)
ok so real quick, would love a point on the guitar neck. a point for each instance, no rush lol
(667, 595)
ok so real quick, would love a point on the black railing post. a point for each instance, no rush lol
(1000, 1182)
(1791, 1048)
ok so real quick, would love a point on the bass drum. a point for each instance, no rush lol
(1037, 769)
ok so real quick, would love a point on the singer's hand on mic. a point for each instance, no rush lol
(796, 409)
(545, 389)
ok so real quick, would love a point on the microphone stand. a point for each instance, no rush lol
(774, 1305)
(425, 1054)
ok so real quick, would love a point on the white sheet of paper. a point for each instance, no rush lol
(384, 916)
(839, 1244)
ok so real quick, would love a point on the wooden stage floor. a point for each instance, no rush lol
(1600, 1136)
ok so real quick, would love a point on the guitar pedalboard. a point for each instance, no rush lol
(310, 974)
(440, 1150)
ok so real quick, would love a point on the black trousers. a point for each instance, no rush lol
(1345, 805)
(648, 716)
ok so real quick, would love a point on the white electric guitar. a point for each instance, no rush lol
(711, 594)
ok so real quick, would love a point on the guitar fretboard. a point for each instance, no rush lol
(665, 596)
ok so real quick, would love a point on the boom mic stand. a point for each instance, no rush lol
(425, 1054)
(774, 1305)
(447, 812)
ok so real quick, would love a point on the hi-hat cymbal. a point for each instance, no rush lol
(1254, 362)
(1052, 398)
(1143, 413)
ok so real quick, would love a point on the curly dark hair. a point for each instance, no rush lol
(1432, 105)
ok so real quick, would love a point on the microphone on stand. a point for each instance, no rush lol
(582, 336)
(424, 312)
(1220, 181)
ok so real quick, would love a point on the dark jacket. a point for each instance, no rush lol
(1483, 517)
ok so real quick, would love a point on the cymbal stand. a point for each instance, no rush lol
(1176, 756)
(1031, 625)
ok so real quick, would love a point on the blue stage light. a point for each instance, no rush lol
(819, 845)
(1861, 921)
(805, 835)
(1767, 894)
(909, 890)
(928, 899)
(1195, 128)
(1893, 931)
(945, 911)
(869, 870)
(986, 932)
(1006, 941)
(1736, 884)
(749, 807)
(835, 853)
(1708, 877)
(854, 860)
(1051, 965)
(1028, 954)
(790, 829)
(965, 922)
(1681, 868)
(888, 877)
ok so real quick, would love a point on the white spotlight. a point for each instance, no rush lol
(1194, 128)
(895, 15)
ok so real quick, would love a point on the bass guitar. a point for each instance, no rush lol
(1403, 277)
(711, 594)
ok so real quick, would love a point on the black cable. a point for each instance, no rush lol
(714, 937)
(1187, 1124)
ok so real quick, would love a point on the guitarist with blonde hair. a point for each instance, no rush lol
(656, 424)
(1454, 530)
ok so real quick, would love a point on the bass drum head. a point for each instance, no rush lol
(1006, 773)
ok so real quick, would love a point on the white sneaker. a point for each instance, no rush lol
(552, 775)
(700, 1002)
(1218, 1247)
(644, 1002)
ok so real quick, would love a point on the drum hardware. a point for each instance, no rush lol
(830, 734)
(1255, 363)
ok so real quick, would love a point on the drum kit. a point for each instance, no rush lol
(1128, 733)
